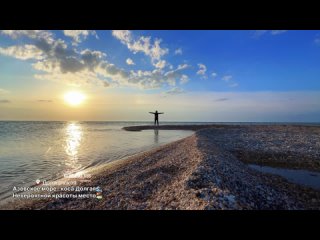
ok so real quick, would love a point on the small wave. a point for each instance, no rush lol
(102, 130)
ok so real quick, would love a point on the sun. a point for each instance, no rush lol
(74, 98)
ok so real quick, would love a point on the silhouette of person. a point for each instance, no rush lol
(156, 117)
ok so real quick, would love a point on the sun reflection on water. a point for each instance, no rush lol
(72, 145)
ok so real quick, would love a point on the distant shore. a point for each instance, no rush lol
(207, 170)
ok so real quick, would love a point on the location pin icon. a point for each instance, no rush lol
(38, 181)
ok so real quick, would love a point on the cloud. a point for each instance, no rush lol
(227, 78)
(259, 33)
(92, 58)
(54, 54)
(234, 84)
(62, 65)
(317, 40)
(154, 79)
(129, 61)
(44, 101)
(214, 75)
(174, 91)
(79, 35)
(161, 64)
(143, 79)
(55, 60)
(124, 36)
(33, 34)
(221, 99)
(147, 79)
(177, 73)
(73, 79)
(142, 44)
(184, 79)
(277, 32)
(202, 69)
(3, 91)
(4, 101)
(178, 51)
(22, 52)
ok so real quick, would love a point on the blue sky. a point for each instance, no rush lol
(246, 66)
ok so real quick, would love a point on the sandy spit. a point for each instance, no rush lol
(204, 171)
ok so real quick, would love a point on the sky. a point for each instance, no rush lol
(243, 75)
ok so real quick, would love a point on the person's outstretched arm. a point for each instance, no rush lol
(151, 112)
(160, 113)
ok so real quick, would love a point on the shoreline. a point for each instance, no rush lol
(207, 170)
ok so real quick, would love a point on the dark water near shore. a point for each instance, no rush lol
(302, 177)
(49, 150)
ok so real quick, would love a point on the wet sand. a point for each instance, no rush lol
(207, 170)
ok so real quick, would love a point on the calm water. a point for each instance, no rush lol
(48, 150)
(302, 177)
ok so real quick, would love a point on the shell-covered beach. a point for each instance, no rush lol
(208, 170)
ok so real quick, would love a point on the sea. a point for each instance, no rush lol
(48, 150)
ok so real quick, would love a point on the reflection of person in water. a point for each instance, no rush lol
(156, 135)
(156, 117)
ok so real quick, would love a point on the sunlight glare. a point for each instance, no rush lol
(74, 98)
